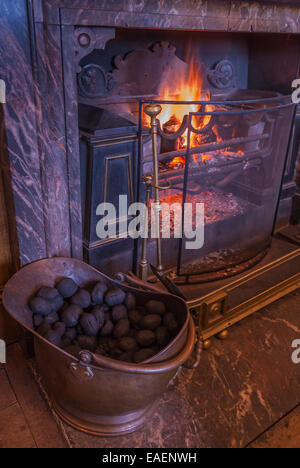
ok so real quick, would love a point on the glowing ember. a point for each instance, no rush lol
(209, 158)
(218, 207)
(204, 157)
(172, 126)
(177, 162)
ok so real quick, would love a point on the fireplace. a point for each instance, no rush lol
(219, 143)
(75, 134)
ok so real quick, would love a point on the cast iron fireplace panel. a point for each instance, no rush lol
(108, 150)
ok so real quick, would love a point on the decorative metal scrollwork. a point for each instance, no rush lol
(87, 39)
(222, 76)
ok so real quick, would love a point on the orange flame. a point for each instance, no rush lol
(189, 90)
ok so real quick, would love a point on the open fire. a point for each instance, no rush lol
(172, 116)
(218, 205)
(191, 89)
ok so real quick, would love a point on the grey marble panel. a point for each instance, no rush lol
(19, 142)
(221, 15)
(72, 140)
(54, 168)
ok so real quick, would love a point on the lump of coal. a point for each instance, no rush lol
(37, 320)
(134, 317)
(51, 318)
(130, 301)
(57, 303)
(155, 307)
(105, 344)
(132, 332)
(145, 337)
(114, 297)
(162, 336)
(104, 340)
(67, 287)
(112, 343)
(43, 329)
(87, 342)
(89, 324)
(128, 344)
(82, 298)
(60, 328)
(107, 328)
(121, 328)
(141, 310)
(65, 342)
(54, 335)
(101, 351)
(126, 356)
(93, 321)
(71, 333)
(39, 305)
(150, 322)
(98, 292)
(99, 313)
(143, 354)
(48, 293)
(116, 353)
(170, 322)
(70, 315)
(119, 312)
(107, 314)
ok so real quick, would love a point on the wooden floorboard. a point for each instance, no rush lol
(7, 396)
(37, 413)
(14, 430)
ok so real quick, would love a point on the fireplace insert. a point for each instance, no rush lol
(220, 145)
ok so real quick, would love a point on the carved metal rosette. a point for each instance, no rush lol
(222, 75)
(93, 80)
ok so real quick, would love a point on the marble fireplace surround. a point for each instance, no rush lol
(39, 131)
